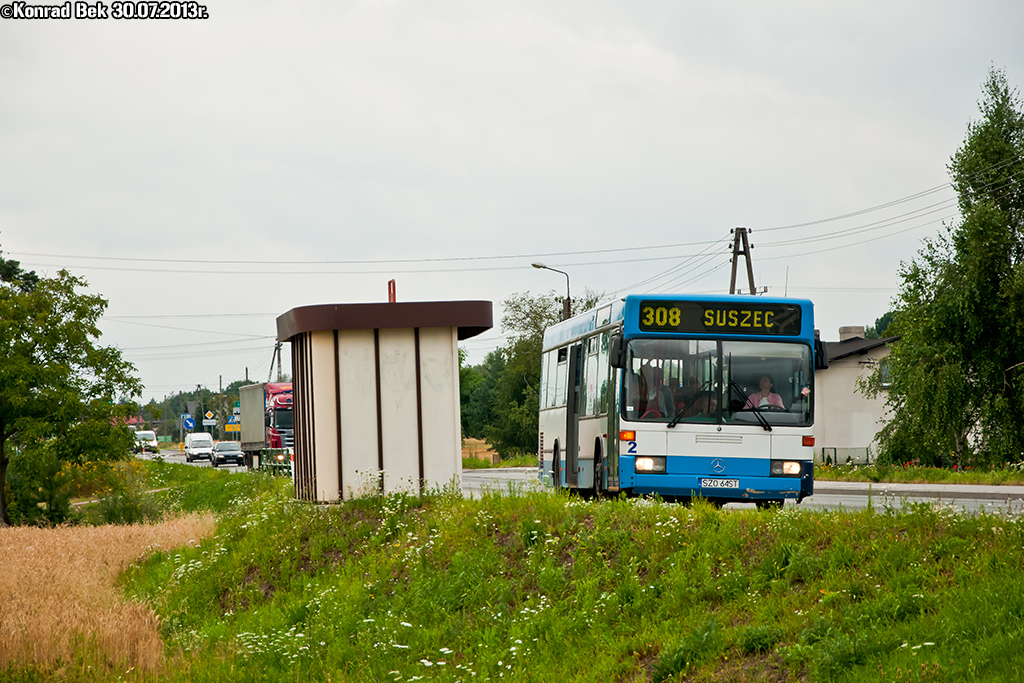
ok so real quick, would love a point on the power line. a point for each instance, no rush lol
(445, 259)
(861, 212)
(852, 244)
(458, 259)
(187, 329)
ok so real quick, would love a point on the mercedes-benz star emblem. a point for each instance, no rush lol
(718, 465)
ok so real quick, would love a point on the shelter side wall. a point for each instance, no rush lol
(305, 464)
(398, 410)
(357, 388)
(439, 387)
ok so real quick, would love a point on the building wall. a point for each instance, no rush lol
(844, 418)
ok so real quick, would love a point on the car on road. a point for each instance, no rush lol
(198, 445)
(145, 440)
(227, 451)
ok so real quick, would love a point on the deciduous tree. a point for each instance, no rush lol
(516, 396)
(957, 375)
(58, 386)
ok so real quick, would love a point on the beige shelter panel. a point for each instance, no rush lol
(439, 386)
(358, 390)
(398, 410)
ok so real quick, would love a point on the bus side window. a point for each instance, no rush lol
(547, 380)
(602, 373)
(592, 374)
(561, 376)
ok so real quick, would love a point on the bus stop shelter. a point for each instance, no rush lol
(376, 394)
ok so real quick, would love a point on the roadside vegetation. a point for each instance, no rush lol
(1012, 474)
(524, 586)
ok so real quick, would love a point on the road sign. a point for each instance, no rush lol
(235, 427)
(188, 422)
(233, 420)
(209, 415)
(209, 423)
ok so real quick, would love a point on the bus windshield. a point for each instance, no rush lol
(707, 380)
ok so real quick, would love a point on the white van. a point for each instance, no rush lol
(145, 440)
(198, 445)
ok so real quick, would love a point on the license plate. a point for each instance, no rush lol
(719, 483)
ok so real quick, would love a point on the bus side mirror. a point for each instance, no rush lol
(820, 352)
(617, 352)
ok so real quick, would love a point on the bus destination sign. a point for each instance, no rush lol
(719, 317)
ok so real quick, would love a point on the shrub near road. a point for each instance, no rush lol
(539, 587)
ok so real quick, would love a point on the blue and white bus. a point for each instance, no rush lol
(682, 396)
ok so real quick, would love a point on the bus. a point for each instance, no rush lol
(683, 397)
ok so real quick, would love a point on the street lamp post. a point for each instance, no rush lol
(566, 303)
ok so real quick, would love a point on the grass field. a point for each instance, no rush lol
(529, 587)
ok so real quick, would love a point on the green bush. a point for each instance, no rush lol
(756, 639)
(705, 641)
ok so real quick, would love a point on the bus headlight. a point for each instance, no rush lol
(650, 465)
(786, 468)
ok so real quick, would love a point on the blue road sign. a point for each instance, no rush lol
(188, 422)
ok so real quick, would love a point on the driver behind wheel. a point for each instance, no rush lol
(764, 398)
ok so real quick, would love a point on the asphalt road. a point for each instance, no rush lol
(173, 455)
(828, 495)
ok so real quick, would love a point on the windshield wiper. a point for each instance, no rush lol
(757, 411)
(682, 411)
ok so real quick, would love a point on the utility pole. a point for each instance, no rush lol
(740, 246)
(278, 361)
(277, 352)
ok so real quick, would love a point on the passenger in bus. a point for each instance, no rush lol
(765, 397)
(677, 393)
(703, 402)
(689, 392)
(655, 398)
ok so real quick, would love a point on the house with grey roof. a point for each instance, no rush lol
(845, 420)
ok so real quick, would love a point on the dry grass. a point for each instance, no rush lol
(479, 449)
(58, 600)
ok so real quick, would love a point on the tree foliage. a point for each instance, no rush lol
(478, 396)
(515, 399)
(957, 375)
(58, 387)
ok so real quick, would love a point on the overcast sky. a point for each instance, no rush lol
(207, 176)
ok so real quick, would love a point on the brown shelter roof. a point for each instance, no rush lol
(470, 317)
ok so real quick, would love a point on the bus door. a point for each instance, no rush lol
(572, 417)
